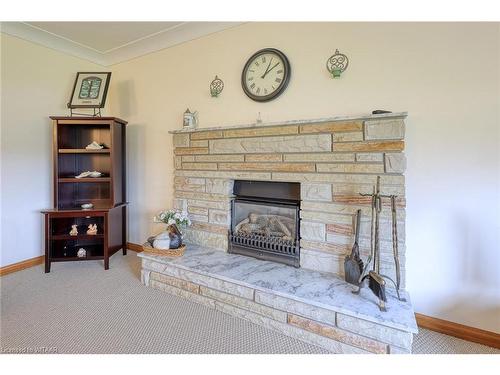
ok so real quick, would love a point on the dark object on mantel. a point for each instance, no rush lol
(380, 111)
(353, 265)
(106, 194)
(175, 236)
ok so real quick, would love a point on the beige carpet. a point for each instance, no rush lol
(80, 308)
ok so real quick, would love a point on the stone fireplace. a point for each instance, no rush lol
(288, 193)
(333, 160)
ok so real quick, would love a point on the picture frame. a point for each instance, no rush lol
(90, 90)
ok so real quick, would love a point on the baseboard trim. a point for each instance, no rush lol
(134, 247)
(21, 265)
(460, 331)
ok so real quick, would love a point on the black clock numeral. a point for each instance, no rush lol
(280, 71)
(278, 80)
(250, 70)
(252, 86)
(258, 90)
(250, 78)
(257, 63)
(265, 91)
(263, 59)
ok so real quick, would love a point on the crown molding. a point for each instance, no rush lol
(170, 37)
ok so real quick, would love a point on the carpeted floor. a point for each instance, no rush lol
(80, 308)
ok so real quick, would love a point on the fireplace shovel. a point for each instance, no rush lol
(353, 265)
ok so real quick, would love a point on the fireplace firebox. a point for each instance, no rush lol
(265, 221)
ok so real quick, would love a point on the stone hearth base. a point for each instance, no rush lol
(311, 306)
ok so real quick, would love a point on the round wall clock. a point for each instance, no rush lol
(265, 75)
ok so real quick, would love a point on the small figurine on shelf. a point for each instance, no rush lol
(74, 230)
(92, 229)
(81, 253)
(94, 146)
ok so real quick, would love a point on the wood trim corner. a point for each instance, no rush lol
(134, 247)
(459, 330)
(21, 265)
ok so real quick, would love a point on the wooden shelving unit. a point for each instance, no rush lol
(106, 193)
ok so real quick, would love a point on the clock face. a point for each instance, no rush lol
(265, 75)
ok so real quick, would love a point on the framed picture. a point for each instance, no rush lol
(90, 90)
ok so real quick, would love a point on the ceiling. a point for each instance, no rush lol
(108, 43)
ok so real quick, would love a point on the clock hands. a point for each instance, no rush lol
(267, 71)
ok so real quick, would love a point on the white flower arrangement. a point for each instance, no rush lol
(170, 217)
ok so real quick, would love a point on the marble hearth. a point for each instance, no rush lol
(315, 307)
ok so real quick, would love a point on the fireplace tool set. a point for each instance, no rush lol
(355, 273)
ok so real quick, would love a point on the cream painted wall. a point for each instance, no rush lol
(445, 75)
(36, 82)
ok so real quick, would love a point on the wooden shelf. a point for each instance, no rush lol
(83, 151)
(84, 179)
(72, 259)
(77, 237)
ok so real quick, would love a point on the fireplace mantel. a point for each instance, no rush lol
(340, 118)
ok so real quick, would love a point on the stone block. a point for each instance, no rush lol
(189, 184)
(188, 158)
(320, 261)
(244, 303)
(289, 330)
(180, 204)
(198, 218)
(221, 229)
(344, 229)
(178, 162)
(370, 157)
(328, 248)
(207, 239)
(145, 276)
(219, 158)
(347, 137)
(295, 307)
(355, 189)
(219, 217)
(350, 168)
(316, 192)
(202, 196)
(336, 178)
(258, 176)
(262, 131)
(375, 331)
(219, 186)
(384, 129)
(329, 127)
(337, 334)
(183, 293)
(203, 143)
(348, 209)
(395, 162)
(206, 135)
(369, 146)
(277, 144)
(264, 158)
(284, 167)
(326, 218)
(198, 211)
(364, 200)
(178, 283)
(202, 280)
(219, 205)
(181, 140)
(395, 350)
(191, 151)
(200, 166)
(312, 231)
(319, 157)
